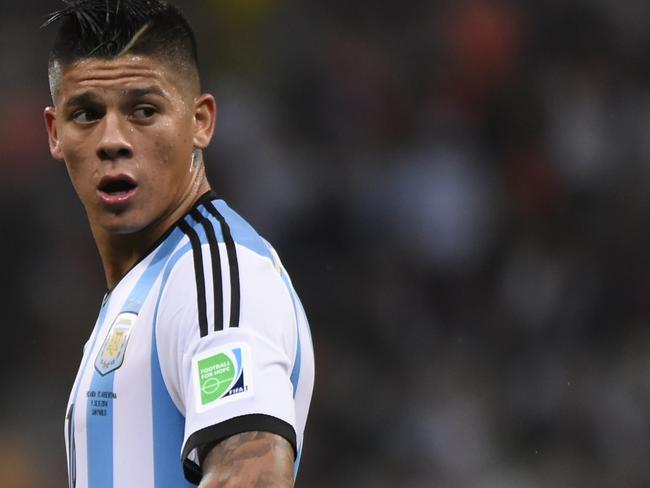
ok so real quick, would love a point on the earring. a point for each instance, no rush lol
(196, 157)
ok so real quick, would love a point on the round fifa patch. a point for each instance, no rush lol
(221, 375)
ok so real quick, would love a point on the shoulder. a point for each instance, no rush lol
(225, 274)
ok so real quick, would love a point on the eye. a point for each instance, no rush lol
(86, 116)
(144, 112)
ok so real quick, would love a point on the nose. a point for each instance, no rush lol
(113, 143)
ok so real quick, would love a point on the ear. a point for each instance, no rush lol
(53, 137)
(205, 118)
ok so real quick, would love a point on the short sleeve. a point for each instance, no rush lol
(231, 379)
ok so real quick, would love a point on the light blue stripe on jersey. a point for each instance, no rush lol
(168, 423)
(296, 465)
(100, 433)
(100, 427)
(295, 372)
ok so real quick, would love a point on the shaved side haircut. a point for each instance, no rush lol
(108, 29)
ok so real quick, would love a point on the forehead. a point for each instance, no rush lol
(117, 74)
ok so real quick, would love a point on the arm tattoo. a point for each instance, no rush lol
(256, 459)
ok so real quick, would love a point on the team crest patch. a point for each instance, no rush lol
(221, 375)
(111, 355)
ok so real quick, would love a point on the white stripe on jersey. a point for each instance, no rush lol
(173, 378)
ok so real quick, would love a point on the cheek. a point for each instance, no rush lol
(170, 167)
(165, 154)
(78, 154)
(172, 141)
(174, 156)
(74, 147)
(78, 168)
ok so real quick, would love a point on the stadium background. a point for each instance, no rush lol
(460, 192)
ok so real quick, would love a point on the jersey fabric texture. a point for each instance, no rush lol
(203, 339)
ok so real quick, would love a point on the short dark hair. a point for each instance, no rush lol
(109, 28)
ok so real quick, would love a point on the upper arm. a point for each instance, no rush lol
(232, 380)
(249, 459)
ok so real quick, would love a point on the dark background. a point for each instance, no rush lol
(459, 190)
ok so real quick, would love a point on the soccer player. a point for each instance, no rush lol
(199, 369)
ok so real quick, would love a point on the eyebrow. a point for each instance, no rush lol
(85, 98)
(142, 92)
(91, 98)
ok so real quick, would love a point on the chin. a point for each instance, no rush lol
(123, 231)
(120, 226)
(127, 222)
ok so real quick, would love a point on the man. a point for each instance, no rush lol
(200, 367)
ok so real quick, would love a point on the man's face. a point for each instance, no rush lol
(126, 129)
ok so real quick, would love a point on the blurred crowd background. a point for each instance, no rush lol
(459, 190)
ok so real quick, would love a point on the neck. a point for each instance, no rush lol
(120, 252)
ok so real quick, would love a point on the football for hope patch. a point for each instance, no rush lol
(221, 374)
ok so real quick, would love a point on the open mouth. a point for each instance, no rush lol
(117, 187)
(116, 190)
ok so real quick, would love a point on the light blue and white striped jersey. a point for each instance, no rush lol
(203, 339)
